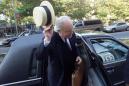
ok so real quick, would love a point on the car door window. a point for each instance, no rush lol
(120, 24)
(109, 50)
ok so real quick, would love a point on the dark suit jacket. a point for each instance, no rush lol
(42, 56)
(60, 62)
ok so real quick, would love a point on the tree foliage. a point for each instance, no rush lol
(77, 9)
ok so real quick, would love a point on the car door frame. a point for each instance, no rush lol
(24, 82)
(121, 26)
(97, 63)
(31, 80)
(111, 38)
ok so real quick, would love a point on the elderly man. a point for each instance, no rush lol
(62, 53)
(57, 53)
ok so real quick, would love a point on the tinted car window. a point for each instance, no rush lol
(109, 50)
(120, 24)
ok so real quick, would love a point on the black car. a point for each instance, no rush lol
(21, 68)
(8, 41)
(111, 53)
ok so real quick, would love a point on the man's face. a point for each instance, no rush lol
(67, 29)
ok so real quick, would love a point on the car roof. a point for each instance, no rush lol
(118, 22)
(96, 35)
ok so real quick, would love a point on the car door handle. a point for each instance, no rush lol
(110, 71)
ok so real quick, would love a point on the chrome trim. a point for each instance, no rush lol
(19, 82)
(119, 83)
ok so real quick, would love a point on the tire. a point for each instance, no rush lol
(113, 30)
(97, 29)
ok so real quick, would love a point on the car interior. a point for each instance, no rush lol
(109, 50)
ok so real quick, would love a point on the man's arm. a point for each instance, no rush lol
(73, 40)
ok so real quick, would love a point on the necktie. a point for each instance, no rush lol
(68, 44)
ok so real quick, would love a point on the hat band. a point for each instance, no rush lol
(49, 16)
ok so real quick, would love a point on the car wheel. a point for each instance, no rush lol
(127, 29)
(113, 30)
(98, 29)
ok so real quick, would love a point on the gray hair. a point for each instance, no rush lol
(59, 22)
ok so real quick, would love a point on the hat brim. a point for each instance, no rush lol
(50, 7)
(39, 16)
(44, 16)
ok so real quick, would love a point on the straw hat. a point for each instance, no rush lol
(44, 14)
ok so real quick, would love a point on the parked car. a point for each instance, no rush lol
(118, 26)
(8, 41)
(89, 25)
(21, 68)
(104, 57)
